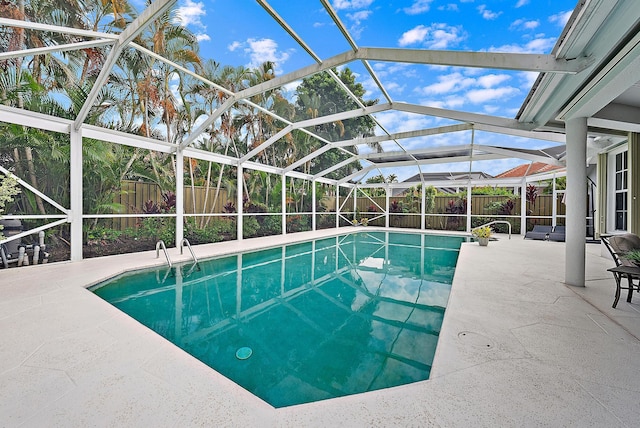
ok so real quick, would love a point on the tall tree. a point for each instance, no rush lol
(320, 95)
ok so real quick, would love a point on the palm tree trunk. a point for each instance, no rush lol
(33, 178)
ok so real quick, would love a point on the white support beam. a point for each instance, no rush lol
(461, 116)
(153, 10)
(210, 156)
(520, 155)
(56, 29)
(434, 161)
(303, 72)
(119, 137)
(488, 60)
(209, 121)
(408, 134)
(335, 167)
(556, 137)
(309, 157)
(32, 119)
(418, 152)
(55, 48)
(342, 116)
(34, 190)
(262, 167)
(493, 60)
(278, 135)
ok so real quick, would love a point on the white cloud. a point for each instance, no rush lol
(483, 95)
(528, 79)
(523, 25)
(418, 7)
(413, 36)
(261, 50)
(538, 45)
(436, 36)
(235, 45)
(395, 121)
(521, 3)
(449, 7)
(351, 4)
(487, 14)
(203, 37)
(491, 80)
(359, 16)
(190, 13)
(448, 83)
(561, 18)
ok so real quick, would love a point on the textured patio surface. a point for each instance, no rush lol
(518, 348)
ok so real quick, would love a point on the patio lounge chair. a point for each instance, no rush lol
(558, 234)
(618, 245)
(539, 232)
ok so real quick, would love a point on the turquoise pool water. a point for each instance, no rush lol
(306, 321)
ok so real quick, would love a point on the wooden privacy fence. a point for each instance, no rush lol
(134, 195)
(481, 204)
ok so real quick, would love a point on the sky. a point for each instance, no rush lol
(241, 32)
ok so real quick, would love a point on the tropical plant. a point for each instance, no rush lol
(481, 232)
(633, 256)
(8, 189)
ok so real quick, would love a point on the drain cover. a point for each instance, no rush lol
(476, 339)
(244, 353)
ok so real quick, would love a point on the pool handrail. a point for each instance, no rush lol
(494, 222)
(184, 242)
(160, 244)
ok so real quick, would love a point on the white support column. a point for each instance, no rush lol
(76, 193)
(576, 197)
(239, 204)
(284, 204)
(386, 194)
(337, 206)
(554, 207)
(179, 197)
(469, 207)
(423, 210)
(355, 202)
(523, 207)
(313, 205)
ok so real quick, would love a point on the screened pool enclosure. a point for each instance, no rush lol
(112, 121)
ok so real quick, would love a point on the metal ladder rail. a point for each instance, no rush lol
(494, 222)
(160, 244)
(184, 242)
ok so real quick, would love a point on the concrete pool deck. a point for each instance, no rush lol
(517, 348)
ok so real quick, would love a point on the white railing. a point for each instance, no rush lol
(494, 222)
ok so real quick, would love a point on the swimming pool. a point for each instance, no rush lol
(305, 321)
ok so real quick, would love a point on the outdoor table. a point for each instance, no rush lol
(630, 272)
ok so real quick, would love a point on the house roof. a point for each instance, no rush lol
(528, 169)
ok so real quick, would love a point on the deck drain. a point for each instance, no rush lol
(476, 339)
